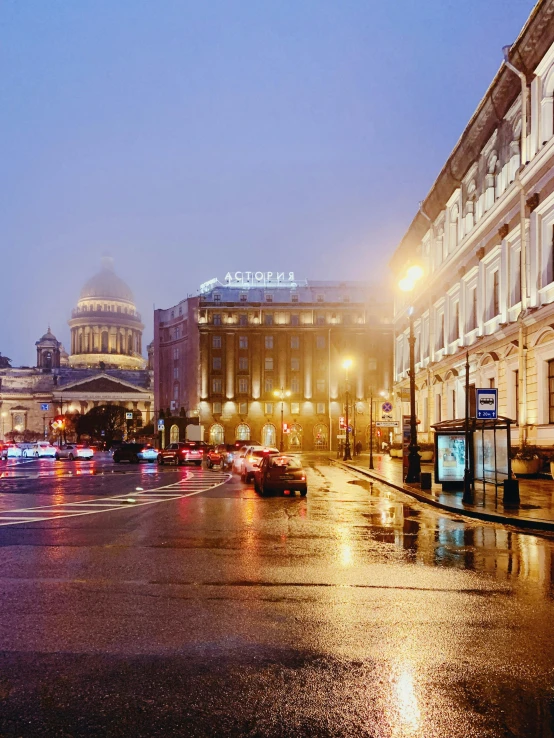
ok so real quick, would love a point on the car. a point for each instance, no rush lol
(40, 450)
(217, 455)
(11, 451)
(181, 453)
(148, 453)
(127, 452)
(72, 452)
(240, 455)
(280, 473)
(252, 460)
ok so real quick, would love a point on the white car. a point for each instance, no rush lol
(11, 451)
(252, 460)
(238, 458)
(39, 450)
(72, 452)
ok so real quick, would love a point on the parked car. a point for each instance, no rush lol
(182, 453)
(280, 473)
(72, 452)
(11, 451)
(40, 450)
(127, 452)
(252, 460)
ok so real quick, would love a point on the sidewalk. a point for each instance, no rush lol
(536, 508)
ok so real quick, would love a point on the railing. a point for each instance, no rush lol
(80, 312)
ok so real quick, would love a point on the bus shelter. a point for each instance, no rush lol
(489, 452)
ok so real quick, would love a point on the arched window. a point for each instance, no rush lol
(217, 434)
(295, 437)
(321, 437)
(243, 432)
(174, 434)
(269, 435)
(19, 423)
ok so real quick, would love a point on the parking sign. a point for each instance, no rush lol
(487, 403)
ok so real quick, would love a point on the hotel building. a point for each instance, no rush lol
(223, 354)
(484, 236)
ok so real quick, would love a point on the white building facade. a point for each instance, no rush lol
(484, 236)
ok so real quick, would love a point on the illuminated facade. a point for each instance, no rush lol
(222, 356)
(105, 325)
(485, 237)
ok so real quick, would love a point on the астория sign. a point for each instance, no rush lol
(258, 277)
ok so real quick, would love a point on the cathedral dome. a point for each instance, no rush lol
(106, 285)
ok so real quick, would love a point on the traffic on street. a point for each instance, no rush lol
(146, 599)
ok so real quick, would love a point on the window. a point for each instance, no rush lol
(216, 341)
(243, 319)
(268, 364)
(495, 294)
(176, 391)
(268, 408)
(176, 353)
(180, 309)
(550, 391)
(243, 385)
(216, 386)
(243, 363)
(269, 342)
(243, 408)
(217, 434)
(472, 322)
(320, 408)
(268, 319)
(216, 408)
(320, 342)
(217, 297)
(295, 319)
(216, 362)
(453, 404)
(516, 277)
(438, 408)
(549, 272)
(295, 364)
(295, 385)
(269, 298)
(295, 342)
(516, 379)
(243, 342)
(217, 318)
(269, 384)
(440, 333)
(295, 408)
(320, 298)
(176, 372)
(320, 320)
(243, 432)
(293, 297)
(243, 297)
(455, 333)
(320, 385)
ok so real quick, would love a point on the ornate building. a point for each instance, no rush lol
(484, 236)
(220, 357)
(105, 365)
(105, 325)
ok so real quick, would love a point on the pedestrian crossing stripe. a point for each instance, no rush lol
(189, 486)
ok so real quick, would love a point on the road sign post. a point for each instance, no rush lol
(487, 403)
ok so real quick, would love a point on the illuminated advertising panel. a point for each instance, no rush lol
(450, 457)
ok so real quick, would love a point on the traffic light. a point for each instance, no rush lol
(286, 428)
(342, 422)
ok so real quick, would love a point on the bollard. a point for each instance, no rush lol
(426, 480)
(511, 493)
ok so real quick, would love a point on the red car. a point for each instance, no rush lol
(182, 453)
(280, 473)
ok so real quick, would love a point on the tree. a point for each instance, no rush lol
(105, 423)
(5, 363)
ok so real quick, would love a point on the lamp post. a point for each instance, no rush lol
(282, 393)
(381, 394)
(346, 364)
(413, 474)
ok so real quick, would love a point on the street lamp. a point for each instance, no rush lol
(346, 364)
(282, 393)
(381, 394)
(407, 284)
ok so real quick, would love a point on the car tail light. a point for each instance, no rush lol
(303, 478)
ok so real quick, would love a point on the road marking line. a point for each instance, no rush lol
(119, 502)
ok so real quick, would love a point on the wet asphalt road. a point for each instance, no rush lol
(190, 609)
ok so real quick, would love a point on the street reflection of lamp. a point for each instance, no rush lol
(407, 284)
(282, 393)
(346, 364)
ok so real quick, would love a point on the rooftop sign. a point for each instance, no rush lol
(253, 279)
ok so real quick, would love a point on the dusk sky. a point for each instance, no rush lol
(191, 139)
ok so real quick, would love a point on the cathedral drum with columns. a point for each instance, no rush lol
(105, 325)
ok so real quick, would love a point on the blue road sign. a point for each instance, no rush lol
(161, 424)
(45, 407)
(487, 403)
(387, 407)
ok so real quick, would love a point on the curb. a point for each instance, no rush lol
(527, 523)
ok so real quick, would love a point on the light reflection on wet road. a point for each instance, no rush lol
(353, 612)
